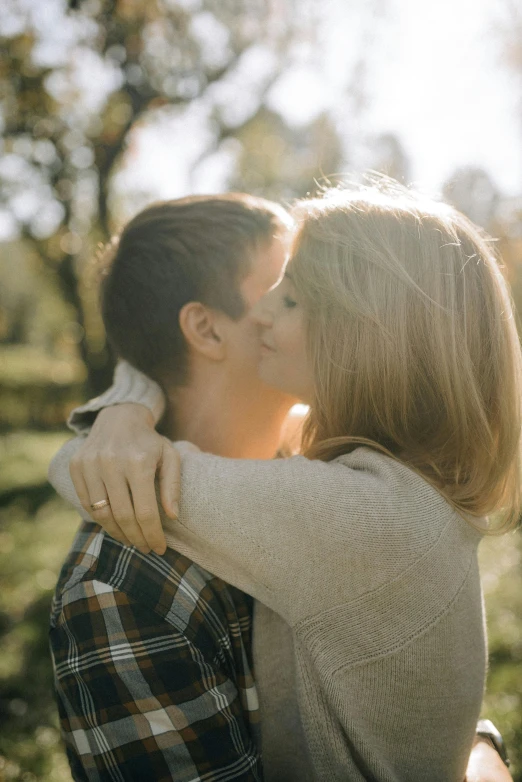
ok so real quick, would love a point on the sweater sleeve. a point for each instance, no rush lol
(130, 385)
(298, 535)
(303, 536)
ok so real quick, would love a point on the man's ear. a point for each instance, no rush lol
(201, 327)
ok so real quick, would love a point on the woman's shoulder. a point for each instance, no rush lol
(383, 526)
(392, 476)
(400, 503)
(387, 472)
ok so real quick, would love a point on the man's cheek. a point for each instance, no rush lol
(253, 349)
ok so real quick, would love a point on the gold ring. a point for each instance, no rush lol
(101, 504)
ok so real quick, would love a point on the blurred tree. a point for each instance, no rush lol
(472, 190)
(510, 29)
(390, 158)
(281, 162)
(76, 79)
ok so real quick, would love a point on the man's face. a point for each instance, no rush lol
(243, 335)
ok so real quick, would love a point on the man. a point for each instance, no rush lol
(217, 415)
(153, 654)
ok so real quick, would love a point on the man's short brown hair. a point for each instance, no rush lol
(191, 249)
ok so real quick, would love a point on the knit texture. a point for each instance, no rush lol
(369, 644)
(130, 385)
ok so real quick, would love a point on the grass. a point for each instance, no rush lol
(32, 546)
(501, 566)
(24, 458)
(36, 529)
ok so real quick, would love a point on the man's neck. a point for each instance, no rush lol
(220, 420)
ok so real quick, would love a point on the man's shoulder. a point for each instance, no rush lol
(172, 586)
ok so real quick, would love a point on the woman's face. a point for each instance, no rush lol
(284, 360)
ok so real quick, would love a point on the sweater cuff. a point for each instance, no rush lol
(130, 385)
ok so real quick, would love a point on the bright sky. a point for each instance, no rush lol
(438, 81)
(435, 78)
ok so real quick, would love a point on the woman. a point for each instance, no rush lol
(394, 324)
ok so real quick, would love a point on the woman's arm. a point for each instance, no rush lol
(294, 533)
(256, 524)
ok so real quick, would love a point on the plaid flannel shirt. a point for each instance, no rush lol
(152, 660)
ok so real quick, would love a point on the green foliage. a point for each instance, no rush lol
(79, 78)
(41, 373)
(24, 459)
(32, 309)
(32, 546)
(37, 389)
(64, 136)
(501, 565)
(279, 162)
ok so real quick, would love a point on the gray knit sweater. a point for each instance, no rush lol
(369, 636)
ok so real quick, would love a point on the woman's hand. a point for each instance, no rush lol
(485, 764)
(119, 463)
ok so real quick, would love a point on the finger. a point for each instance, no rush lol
(169, 480)
(111, 528)
(96, 491)
(81, 487)
(143, 490)
(123, 511)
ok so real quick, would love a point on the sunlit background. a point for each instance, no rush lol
(106, 105)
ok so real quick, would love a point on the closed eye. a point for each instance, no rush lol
(288, 302)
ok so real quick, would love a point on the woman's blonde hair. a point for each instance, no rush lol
(413, 343)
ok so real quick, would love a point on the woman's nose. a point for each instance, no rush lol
(262, 312)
